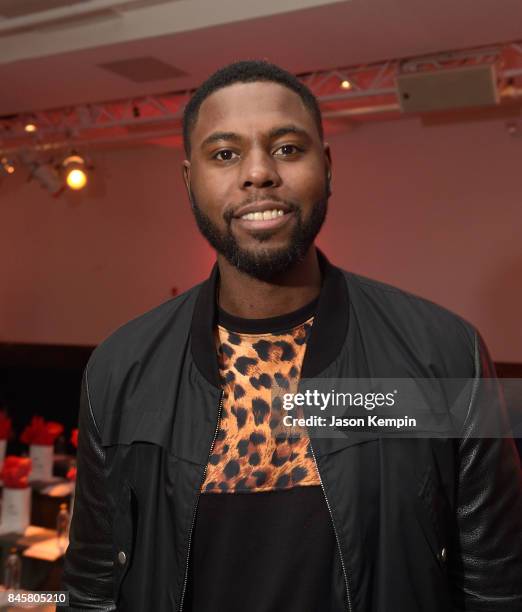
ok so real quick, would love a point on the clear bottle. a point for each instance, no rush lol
(62, 527)
(12, 569)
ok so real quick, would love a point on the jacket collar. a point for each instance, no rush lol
(327, 337)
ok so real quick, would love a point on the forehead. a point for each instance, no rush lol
(251, 108)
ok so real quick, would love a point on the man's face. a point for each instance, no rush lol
(258, 176)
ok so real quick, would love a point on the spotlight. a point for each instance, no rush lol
(7, 165)
(345, 84)
(76, 179)
(42, 171)
(75, 172)
(48, 178)
(30, 127)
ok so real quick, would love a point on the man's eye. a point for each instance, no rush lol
(287, 149)
(224, 155)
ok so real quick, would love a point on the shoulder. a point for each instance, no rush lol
(145, 327)
(408, 303)
(419, 321)
(130, 347)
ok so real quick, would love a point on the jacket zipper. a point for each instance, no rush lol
(197, 501)
(334, 528)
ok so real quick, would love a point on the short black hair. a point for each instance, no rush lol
(246, 71)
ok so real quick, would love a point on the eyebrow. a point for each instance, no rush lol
(273, 134)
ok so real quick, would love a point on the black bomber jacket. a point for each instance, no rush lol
(422, 525)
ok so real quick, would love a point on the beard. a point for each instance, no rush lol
(265, 264)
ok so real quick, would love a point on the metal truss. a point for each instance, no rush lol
(357, 92)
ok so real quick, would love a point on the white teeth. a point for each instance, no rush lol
(263, 216)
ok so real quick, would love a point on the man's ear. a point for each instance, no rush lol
(186, 175)
(328, 162)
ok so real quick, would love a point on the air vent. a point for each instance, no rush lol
(143, 69)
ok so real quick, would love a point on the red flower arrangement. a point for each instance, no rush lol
(15, 472)
(41, 432)
(74, 438)
(5, 425)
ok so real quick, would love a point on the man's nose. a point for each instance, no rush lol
(259, 170)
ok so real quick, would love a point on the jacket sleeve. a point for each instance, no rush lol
(88, 564)
(486, 564)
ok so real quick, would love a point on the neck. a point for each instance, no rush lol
(244, 296)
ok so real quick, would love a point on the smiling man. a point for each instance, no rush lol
(192, 493)
(259, 186)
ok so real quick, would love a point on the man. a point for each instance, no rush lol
(193, 496)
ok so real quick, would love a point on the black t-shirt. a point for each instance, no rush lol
(263, 539)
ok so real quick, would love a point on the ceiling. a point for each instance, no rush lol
(88, 51)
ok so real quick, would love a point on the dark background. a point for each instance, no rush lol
(44, 380)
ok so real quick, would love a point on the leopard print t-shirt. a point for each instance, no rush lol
(284, 524)
(253, 450)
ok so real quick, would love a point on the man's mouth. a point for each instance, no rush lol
(272, 219)
(263, 215)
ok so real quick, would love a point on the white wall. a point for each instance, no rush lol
(435, 210)
(82, 264)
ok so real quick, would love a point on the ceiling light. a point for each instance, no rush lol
(30, 127)
(75, 172)
(7, 165)
(76, 179)
(345, 84)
